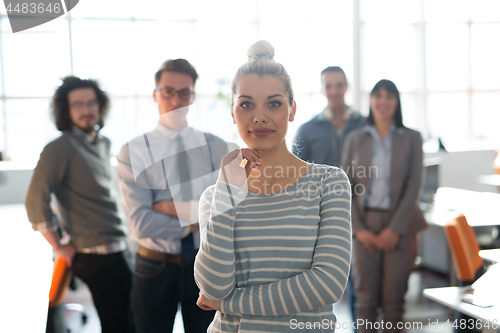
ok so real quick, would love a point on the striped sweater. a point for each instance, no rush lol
(276, 260)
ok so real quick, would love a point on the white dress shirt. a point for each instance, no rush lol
(143, 165)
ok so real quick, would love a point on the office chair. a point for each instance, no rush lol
(61, 278)
(465, 254)
(464, 249)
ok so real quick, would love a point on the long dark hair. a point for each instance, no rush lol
(391, 88)
(60, 103)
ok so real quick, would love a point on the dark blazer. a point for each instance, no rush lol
(405, 177)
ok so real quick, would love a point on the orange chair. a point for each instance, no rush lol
(61, 277)
(464, 248)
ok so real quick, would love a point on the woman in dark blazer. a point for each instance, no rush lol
(383, 161)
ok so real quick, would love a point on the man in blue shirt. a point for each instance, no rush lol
(320, 140)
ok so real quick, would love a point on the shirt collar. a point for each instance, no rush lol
(86, 137)
(327, 114)
(184, 133)
(372, 130)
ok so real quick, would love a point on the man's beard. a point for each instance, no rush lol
(87, 129)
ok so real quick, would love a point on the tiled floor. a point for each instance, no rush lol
(419, 310)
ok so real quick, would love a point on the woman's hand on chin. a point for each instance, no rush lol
(237, 165)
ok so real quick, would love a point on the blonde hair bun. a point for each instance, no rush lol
(260, 49)
(261, 62)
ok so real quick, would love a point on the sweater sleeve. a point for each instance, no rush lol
(214, 268)
(47, 176)
(323, 284)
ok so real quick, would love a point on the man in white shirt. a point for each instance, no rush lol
(161, 203)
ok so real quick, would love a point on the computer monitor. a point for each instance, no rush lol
(430, 181)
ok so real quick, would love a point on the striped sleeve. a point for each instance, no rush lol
(325, 282)
(214, 268)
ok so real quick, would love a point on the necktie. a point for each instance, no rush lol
(187, 243)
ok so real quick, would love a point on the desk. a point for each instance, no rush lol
(482, 210)
(493, 256)
(452, 298)
(26, 264)
(486, 289)
(490, 179)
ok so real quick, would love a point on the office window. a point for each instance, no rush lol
(219, 48)
(486, 119)
(93, 57)
(32, 65)
(440, 53)
(448, 116)
(2, 127)
(121, 9)
(461, 67)
(390, 53)
(127, 115)
(412, 114)
(447, 11)
(228, 11)
(390, 11)
(29, 128)
(485, 11)
(152, 43)
(447, 57)
(485, 56)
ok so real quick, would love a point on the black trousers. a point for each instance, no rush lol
(158, 289)
(109, 278)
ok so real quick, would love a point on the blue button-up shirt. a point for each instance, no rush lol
(319, 141)
(378, 193)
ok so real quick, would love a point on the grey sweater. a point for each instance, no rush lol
(79, 174)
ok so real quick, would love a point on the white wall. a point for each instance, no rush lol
(461, 169)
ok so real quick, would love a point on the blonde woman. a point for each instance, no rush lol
(275, 233)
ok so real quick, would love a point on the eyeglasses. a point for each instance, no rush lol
(92, 105)
(169, 92)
